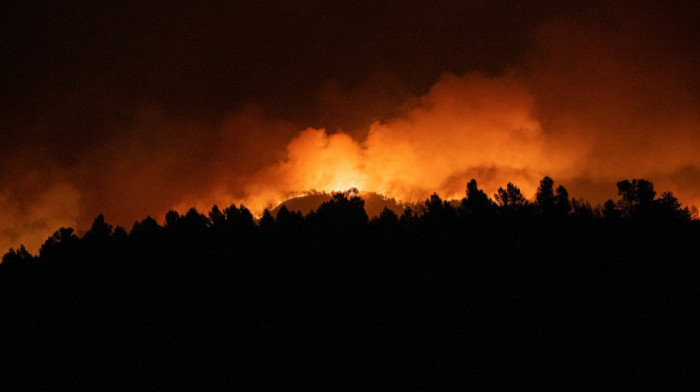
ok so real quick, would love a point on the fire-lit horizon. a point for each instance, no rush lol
(134, 112)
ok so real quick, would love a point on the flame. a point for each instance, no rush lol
(588, 105)
(462, 125)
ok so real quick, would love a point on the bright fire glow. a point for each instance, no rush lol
(588, 106)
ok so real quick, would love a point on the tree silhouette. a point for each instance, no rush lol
(582, 209)
(342, 213)
(120, 234)
(511, 197)
(19, 256)
(544, 198)
(671, 209)
(562, 204)
(387, 218)
(239, 218)
(62, 241)
(636, 197)
(171, 218)
(146, 229)
(100, 231)
(216, 217)
(267, 221)
(408, 218)
(226, 298)
(476, 202)
(437, 210)
(284, 218)
(610, 210)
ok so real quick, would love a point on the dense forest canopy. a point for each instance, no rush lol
(482, 291)
(637, 200)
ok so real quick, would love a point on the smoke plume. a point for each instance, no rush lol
(602, 94)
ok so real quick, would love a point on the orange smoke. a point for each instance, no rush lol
(606, 97)
(462, 127)
(613, 94)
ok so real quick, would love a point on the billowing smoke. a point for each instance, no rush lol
(611, 92)
(597, 101)
(464, 126)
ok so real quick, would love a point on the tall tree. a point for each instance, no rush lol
(610, 210)
(544, 199)
(636, 197)
(562, 205)
(476, 201)
(670, 208)
(510, 197)
(100, 230)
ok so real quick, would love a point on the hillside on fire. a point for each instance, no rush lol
(487, 290)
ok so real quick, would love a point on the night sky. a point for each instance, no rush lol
(133, 108)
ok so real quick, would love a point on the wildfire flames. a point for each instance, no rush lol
(577, 108)
(465, 126)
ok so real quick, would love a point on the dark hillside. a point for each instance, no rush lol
(483, 295)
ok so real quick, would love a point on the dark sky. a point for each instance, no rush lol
(132, 107)
(203, 58)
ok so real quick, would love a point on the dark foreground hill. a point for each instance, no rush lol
(484, 295)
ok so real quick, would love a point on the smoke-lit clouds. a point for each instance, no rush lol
(618, 91)
(600, 98)
(588, 94)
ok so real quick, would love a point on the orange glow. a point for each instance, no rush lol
(587, 105)
(463, 125)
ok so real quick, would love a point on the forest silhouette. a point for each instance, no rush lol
(483, 291)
